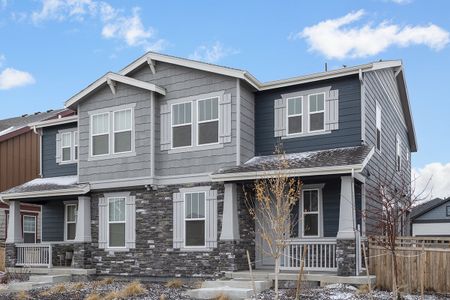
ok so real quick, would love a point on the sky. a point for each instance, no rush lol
(51, 49)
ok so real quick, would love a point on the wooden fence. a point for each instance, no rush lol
(423, 263)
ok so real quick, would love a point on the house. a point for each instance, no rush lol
(20, 163)
(148, 179)
(431, 218)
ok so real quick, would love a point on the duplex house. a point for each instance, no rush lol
(147, 179)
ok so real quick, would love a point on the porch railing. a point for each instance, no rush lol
(320, 255)
(34, 255)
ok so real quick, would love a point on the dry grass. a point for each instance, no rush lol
(112, 296)
(2, 259)
(57, 289)
(77, 286)
(198, 284)
(93, 296)
(363, 289)
(22, 295)
(163, 297)
(174, 284)
(134, 288)
(107, 281)
(222, 297)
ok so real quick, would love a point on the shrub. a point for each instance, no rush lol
(22, 295)
(163, 297)
(77, 286)
(174, 284)
(134, 288)
(93, 296)
(112, 296)
(107, 281)
(222, 297)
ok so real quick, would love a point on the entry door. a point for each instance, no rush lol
(29, 229)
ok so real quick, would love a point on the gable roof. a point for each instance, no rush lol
(426, 207)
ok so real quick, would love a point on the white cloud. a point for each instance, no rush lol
(432, 181)
(62, 9)
(12, 78)
(212, 53)
(341, 38)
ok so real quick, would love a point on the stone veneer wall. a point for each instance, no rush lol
(154, 254)
(346, 257)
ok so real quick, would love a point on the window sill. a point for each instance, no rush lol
(112, 156)
(69, 162)
(196, 148)
(300, 135)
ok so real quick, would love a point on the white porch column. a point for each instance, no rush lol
(83, 229)
(230, 222)
(347, 219)
(14, 223)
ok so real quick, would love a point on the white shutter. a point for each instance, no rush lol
(130, 225)
(178, 220)
(211, 219)
(165, 124)
(102, 223)
(332, 110)
(58, 148)
(225, 119)
(280, 117)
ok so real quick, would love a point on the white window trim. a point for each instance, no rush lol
(131, 130)
(316, 112)
(108, 247)
(193, 219)
(180, 125)
(76, 137)
(35, 225)
(65, 147)
(294, 115)
(378, 108)
(198, 122)
(66, 221)
(72, 160)
(92, 134)
(319, 213)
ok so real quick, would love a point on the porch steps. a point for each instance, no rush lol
(37, 281)
(233, 289)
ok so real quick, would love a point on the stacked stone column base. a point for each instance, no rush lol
(346, 257)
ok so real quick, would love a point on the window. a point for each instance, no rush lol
(122, 130)
(317, 112)
(116, 222)
(66, 146)
(75, 145)
(448, 211)
(398, 156)
(208, 121)
(100, 134)
(378, 126)
(194, 219)
(295, 115)
(182, 125)
(29, 229)
(311, 208)
(71, 221)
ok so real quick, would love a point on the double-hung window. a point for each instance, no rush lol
(66, 147)
(208, 121)
(311, 213)
(195, 220)
(398, 154)
(122, 130)
(71, 221)
(29, 229)
(75, 145)
(182, 125)
(100, 134)
(295, 115)
(316, 112)
(378, 126)
(116, 222)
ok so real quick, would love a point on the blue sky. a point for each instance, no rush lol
(51, 49)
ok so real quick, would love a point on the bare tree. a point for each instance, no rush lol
(270, 202)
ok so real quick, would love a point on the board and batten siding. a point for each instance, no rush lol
(119, 167)
(53, 221)
(348, 134)
(182, 82)
(381, 86)
(247, 122)
(50, 168)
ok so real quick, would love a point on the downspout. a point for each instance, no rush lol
(39, 133)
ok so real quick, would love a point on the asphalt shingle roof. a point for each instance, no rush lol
(46, 184)
(22, 121)
(425, 207)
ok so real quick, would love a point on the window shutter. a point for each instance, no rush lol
(178, 220)
(58, 148)
(102, 223)
(211, 219)
(130, 225)
(332, 110)
(225, 119)
(165, 124)
(280, 117)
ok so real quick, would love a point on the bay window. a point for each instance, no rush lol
(208, 121)
(100, 134)
(295, 115)
(182, 125)
(195, 220)
(116, 222)
(316, 112)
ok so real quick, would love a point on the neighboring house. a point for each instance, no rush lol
(153, 186)
(20, 163)
(431, 218)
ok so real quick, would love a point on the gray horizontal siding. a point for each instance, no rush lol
(247, 122)
(348, 134)
(49, 166)
(438, 213)
(53, 221)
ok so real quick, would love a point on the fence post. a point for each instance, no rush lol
(422, 270)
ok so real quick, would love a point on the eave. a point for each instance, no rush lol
(41, 194)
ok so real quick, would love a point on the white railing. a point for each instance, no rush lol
(34, 255)
(320, 255)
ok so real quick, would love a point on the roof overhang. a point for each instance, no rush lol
(406, 106)
(51, 193)
(110, 78)
(53, 122)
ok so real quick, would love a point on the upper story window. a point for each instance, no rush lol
(182, 125)
(378, 126)
(75, 145)
(195, 219)
(317, 112)
(122, 130)
(67, 146)
(208, 121)
(100, 134)
(398, 154)
(295, 115)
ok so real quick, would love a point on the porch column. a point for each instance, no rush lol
(346, 236)
(14, 223)
(83, 228)
(230, 222)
